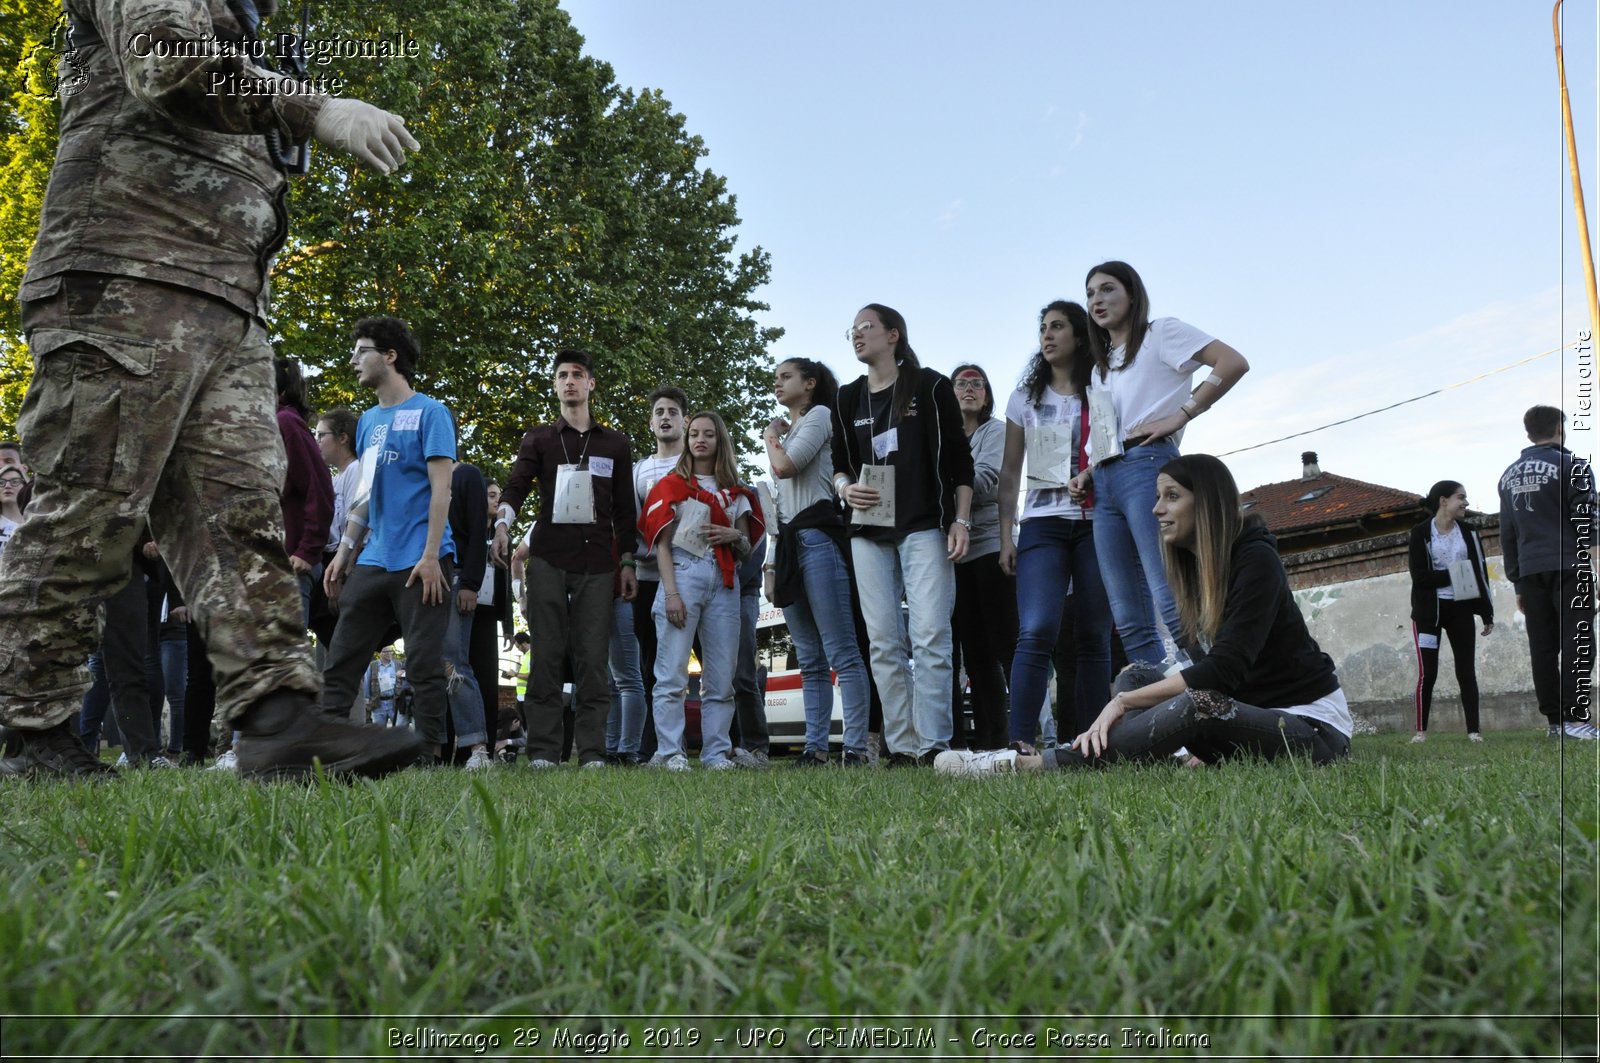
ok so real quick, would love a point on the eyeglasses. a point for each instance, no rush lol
(11, 481)
(968, 383)
(324, 434)
(854, 332)
(360, 352)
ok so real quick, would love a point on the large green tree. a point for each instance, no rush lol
(30, 41)
(548, 207)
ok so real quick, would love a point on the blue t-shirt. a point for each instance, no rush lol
(394, 445)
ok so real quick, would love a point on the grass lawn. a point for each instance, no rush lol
(1421, 901)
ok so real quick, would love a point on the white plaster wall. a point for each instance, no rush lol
(1365, 626)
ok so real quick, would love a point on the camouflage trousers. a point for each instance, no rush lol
(148, 402)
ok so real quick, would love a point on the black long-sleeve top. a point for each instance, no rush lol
(1262, 655)
(469, 523)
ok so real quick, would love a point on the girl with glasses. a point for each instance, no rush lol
(903, 468)
(985, 620)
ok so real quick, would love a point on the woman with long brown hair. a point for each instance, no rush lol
(1261, 686)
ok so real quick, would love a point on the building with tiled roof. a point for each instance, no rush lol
(1333, 528)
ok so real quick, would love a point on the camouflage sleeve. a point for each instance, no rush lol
(169, 56)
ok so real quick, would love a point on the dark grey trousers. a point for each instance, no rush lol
(372, 602)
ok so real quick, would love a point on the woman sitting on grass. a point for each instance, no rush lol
(1262, 686)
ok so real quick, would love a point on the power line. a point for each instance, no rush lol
(1397, 405)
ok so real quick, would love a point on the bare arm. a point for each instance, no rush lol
(1010, 483)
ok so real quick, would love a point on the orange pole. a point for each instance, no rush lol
(1577, 183)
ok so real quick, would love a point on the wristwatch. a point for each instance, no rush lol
(964, 522)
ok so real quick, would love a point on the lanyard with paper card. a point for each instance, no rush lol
(881, 479)
(1049, 452)
(574, 501)
(1105, 436)
(694, 518)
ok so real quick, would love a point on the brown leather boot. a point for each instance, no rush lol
(285, 734)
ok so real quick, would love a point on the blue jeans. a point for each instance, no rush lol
(175, 671)
(1128, 541)
(626, 722)
(461, 692)
(1053, 554)
(916, 568)
(824, 633)
(713, 613)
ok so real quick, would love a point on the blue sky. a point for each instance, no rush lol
(1368, 200)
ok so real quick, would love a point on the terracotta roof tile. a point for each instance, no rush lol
(1299, 505)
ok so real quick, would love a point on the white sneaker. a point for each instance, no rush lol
(723, 765)
(540, 764)
(677, 762)
(479, 761)
(1474, 736)
(593, 765)
(159, 763)
(1420, 736)
(1580, 730)
(228, 761)
(974, 764)
(122, 761)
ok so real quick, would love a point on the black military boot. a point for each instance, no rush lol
(284, 734)
(54, 753)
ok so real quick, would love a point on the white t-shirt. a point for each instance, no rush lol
(344, 489)
(647, 472)
(6, 528)
(1159, 381)
(1446, 549)
(1053, 409)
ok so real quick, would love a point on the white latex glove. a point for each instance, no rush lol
(370, 133)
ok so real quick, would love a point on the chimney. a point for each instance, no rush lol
(1312, 470)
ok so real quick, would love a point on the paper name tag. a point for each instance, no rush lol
(574, 501)
(693, 519)
(1049, 456)
(885, 443)
(600, 466)
(881, 515)
(1463, 581)
(1105, 438)
(407, 420)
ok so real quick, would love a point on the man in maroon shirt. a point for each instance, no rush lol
(584, 532)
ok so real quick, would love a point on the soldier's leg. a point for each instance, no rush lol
(218, 517)
(98, 421)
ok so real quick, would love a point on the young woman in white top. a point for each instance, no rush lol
(1047, 422)
(699, 594)
(1140, 400)
(1436, 608)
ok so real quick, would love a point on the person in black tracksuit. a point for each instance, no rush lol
(1437, 607)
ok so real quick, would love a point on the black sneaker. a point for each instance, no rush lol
(925, 760)
(811, 758)
(855, 758)
(900, 760)
(284, 736)
(54, 753)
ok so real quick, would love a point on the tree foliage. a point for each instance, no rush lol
(548, 207)
(30, 41)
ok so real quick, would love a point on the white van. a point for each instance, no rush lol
(786, 708)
